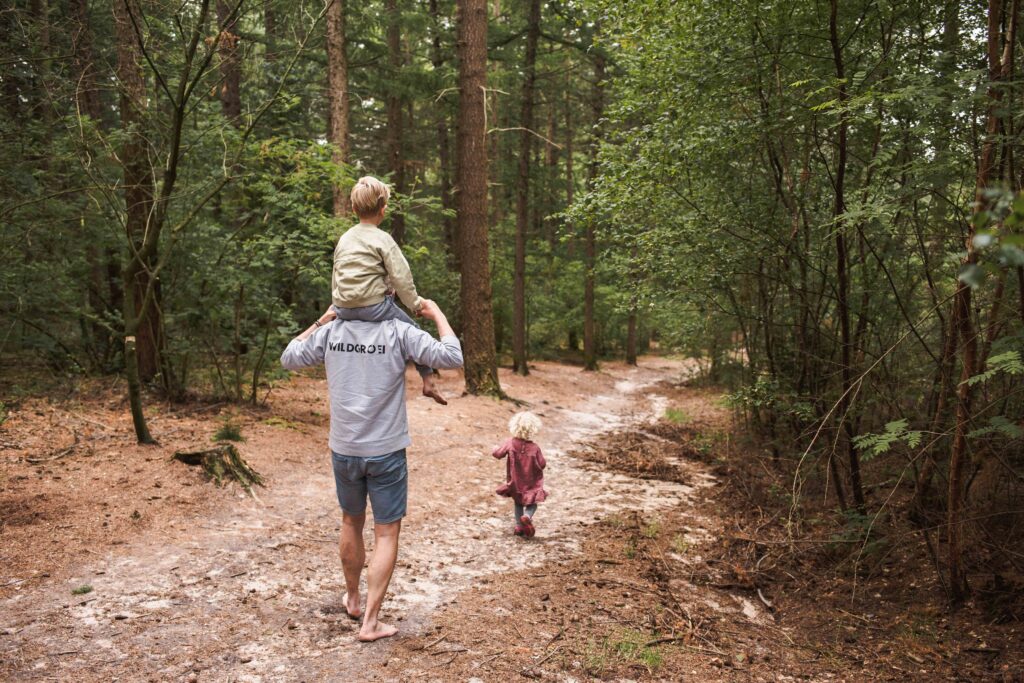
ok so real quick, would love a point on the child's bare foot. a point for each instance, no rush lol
(375, 631)
(431, 391)
(352, 606)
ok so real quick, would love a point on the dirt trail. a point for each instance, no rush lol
(252, 591)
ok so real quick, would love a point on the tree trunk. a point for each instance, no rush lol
(570, 177)
(842, 263)
(139, 346)
(999, 69)
(230, 63)
(141, 313)
(443, 151)
(942, 387)
(631, 339)
(337, 95)
(943, 378)
(550, 187)
(959, 588)
(590, 253)
(481, 367)
(523, 195)
(87, 94)
(394, 105)
(1020, 292)
(40, 13)
(10, 88)
(87, 103)
(270, 30)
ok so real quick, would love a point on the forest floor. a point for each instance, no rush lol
(121, 564)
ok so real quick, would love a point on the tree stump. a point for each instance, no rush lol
(220, 462)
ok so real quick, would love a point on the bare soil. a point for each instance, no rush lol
(643, 567)
(708, 590)
(188, 579)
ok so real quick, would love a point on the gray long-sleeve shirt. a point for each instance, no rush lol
(365, 364)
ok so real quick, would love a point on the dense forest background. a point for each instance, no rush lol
(817, 200)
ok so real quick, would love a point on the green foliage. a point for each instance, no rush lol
(1008, 363)
(716, 194)
(282, 423)
(860, 538)
(82, 590)
(676, 416)
(680, 545)
(763, 393)
(628, 646)
(240, 271)
(229, 431)
(895, 432)
(998, 425)
(766, 393)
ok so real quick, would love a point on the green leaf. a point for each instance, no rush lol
(1001, 426)
(1008, 362)
(971, 275)
(877, 444)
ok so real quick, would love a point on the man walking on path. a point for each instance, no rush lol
(365, 363)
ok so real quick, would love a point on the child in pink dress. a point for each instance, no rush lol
(525, 471)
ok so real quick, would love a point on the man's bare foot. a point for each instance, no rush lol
(371, 632)
(352, 606)
(430, 391)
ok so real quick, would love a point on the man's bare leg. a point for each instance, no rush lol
(378, 576)
(353, 556)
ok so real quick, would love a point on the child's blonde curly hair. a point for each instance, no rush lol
(524, 426)
(369, 196)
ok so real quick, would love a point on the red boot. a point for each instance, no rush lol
(527, 523)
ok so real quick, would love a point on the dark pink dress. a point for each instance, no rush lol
(525, 468)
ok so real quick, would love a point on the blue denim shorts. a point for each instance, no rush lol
(384, 478)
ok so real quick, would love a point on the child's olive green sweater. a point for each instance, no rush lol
(365, 260)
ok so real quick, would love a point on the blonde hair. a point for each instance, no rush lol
(524, 426)
(369, 196)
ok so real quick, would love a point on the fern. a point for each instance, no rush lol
(1008, 362)
(895, 432)
(999, 425)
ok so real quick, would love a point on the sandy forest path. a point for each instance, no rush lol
(241, 589)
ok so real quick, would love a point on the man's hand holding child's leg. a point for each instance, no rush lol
(431, 311)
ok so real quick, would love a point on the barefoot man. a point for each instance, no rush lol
(365, 363)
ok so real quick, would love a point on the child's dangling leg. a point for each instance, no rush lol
(429, 389)
(426, 374)
(519, 514)
(525, 518)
